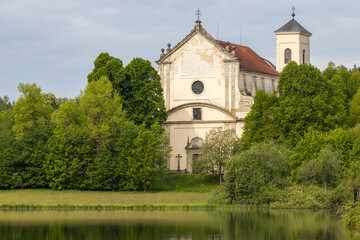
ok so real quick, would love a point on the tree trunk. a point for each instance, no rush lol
(220, 178)
(325, 184)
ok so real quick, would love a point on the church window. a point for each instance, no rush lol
(245, 85)
(196, 113)
(303, 56)
(255, 83)
(263, 83)
(197, 87)
(287, 55)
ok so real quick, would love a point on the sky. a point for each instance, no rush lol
(54, 43)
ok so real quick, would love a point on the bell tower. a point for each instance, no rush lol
(292, 44)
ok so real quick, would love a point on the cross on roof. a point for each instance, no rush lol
(293, 14)
(198, 13)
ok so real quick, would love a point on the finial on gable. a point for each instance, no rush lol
(168, 48)
(198, 13)
(198, 22)
(293, 13)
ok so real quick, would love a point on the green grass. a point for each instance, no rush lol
(51, 199)
(190, 183)
(188, 191)
(43, 197)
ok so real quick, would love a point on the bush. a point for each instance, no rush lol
(254, 175)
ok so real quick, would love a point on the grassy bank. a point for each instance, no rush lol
(89, 198)
(178, 191)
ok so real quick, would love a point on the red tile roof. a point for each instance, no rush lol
(249, 60)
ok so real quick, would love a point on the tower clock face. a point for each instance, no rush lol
(197, 87)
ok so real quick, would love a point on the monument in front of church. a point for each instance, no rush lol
(210, 83)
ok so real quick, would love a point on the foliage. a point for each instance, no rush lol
(138, 85)
(304, 102)
(306, 150)
(352, 217)
(7, 150)
(32, 114)
(143, 100)
(147, 161)
(217, 149)
(112, 68)
(354, 106)
(32, 128)
(256, 174)
(4, 103)
(260, 122)
(299, 196)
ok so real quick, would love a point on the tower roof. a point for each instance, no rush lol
(293, 26)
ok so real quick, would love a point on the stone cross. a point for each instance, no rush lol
(178, 157)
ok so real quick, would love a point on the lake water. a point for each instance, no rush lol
(172, 225)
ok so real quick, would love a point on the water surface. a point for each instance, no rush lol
(173, 225)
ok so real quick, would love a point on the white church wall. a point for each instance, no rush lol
(207, 114)
(197, 59)
(179, 135)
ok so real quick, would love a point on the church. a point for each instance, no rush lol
(208, 83)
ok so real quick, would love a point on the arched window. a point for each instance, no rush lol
(287, 55)
(303, 56)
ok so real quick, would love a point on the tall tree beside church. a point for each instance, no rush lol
(260, 122)
(32, 128)
(144, 102)
(112, 68)
(138, 86)
(304, 102)
(147, 161)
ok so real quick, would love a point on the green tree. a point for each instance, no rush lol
(260, 122)
(306, 150)
(112, 68)
(147, 162)
(138, 86)
(144, 101)
(69, 152)
(355, 108)
(328, 169)
(304, 102)
(32, 128)
(8, 151)
(251, 174)
(102, 113)
(218, 147)
(4, 103)
(324, 170)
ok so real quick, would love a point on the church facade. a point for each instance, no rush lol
(207, 84)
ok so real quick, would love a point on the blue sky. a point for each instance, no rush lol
(54, 43)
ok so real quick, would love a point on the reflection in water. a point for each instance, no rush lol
(171, 225)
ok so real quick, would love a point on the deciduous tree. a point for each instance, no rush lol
(218, 147)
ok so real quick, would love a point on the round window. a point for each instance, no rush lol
(197, 87)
